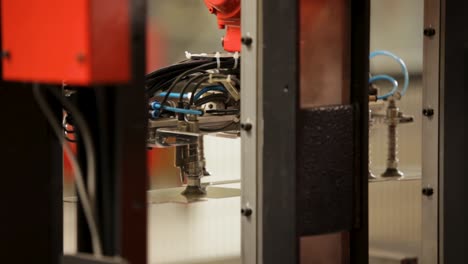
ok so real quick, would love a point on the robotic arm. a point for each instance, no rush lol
(228, 14)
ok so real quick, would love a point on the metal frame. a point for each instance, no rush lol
(430, 135)
(453, 123)
(31, 197)
(118, 120)
(444, 136)
(270, 79)
(360, 42)
(119, 130)
(31, 159)
(251, 112)
(280, 90)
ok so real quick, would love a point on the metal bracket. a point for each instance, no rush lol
(173, 138)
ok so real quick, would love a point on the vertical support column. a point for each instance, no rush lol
(31, 169)
(453, 132)
(279, 90)
(430, 133)
(250, 146)
(31, 172)
(117, 116)
(360, 31)
(130, 145)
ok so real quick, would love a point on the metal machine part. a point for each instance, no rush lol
(371, 122)
(191, 159)
(374, 119)
(187, 137)
(88, 42)
(433, 248)
(228, 14)
(202, 97)
(393, 118)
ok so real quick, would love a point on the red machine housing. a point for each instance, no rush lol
(228, 14)
(79, 42)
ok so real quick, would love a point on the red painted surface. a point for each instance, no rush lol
(80, 42)
(228, 14)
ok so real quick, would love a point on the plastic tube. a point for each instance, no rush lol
(404, 69)
(208, 89)
(386, 78)
(156, 106)
(173, 95)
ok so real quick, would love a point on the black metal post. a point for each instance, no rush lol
(31, 172)
(453, 131)
(280, 102)
(360, 33)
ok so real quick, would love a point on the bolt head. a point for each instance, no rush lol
(246, 40)
(246, 212)
(429, 32)
(428, 112)
(6, 54)
(246, 126)
(80, 57)
(428, 191)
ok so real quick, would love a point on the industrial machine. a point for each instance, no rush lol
(393, 116)
(292, 83)
(202, 96)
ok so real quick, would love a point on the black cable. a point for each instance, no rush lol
(160, 86)
(191, 71)
(184, 65)
(190, 81)
(222, 111)
(200, 82)
(155, 79)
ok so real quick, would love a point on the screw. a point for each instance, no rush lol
(429, 31)
(6, 54)
(428, 112)
(246, 212)
(80, 57)
(246, 126)
(246, 40)
(427, 191)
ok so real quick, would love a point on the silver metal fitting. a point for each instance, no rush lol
(392, 119)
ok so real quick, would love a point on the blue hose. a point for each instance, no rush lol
(157, 106)
(197, 95)
(208, 89)
(172, 95)
(404, 69)
(386, 78)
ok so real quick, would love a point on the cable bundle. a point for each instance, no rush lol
(184, 87)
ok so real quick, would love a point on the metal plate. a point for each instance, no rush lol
(73, 41)
(173, 195)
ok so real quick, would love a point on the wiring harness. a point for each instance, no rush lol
(201, 84)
